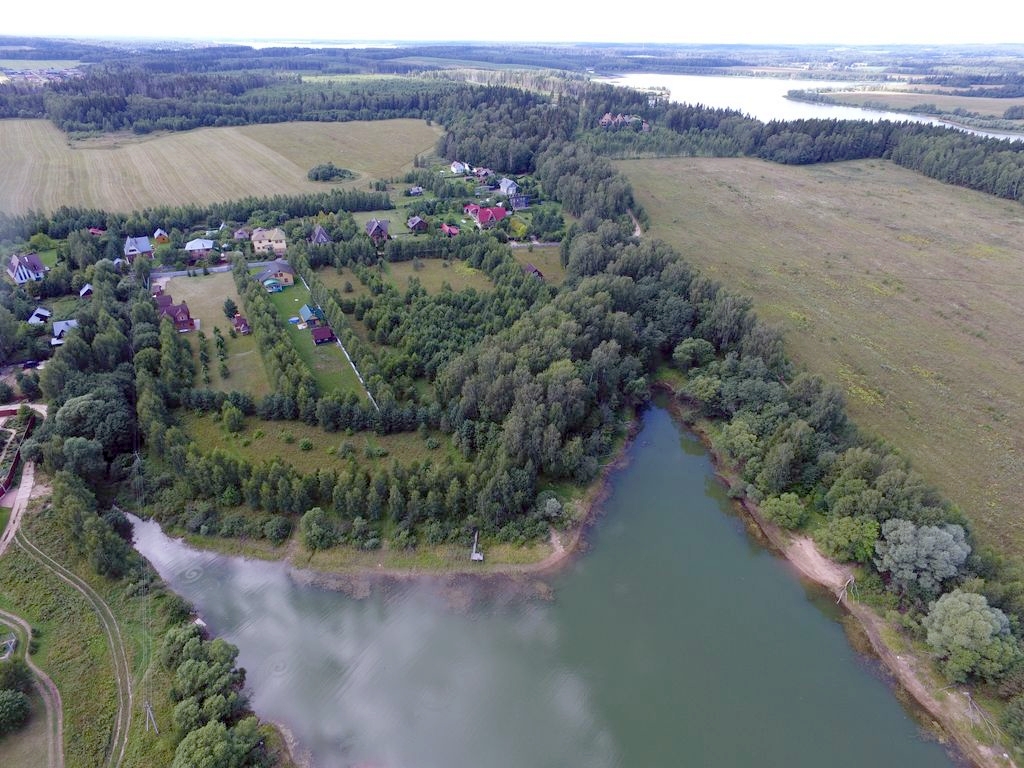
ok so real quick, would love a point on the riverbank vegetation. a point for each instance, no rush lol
(516, 394)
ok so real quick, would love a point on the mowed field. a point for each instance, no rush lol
(987, 107)
(43, 169)
(907, 292)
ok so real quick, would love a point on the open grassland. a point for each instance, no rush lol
(946, 103)
(326, 362)
(205, 295)
(337, 277)
(43, 169)
(72, 651)
(434, 273)
(907, 292)
(264, 440)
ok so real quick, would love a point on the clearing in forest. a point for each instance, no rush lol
(905, 291)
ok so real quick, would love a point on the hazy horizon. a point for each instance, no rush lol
(790, 22)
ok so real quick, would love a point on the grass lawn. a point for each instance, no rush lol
(265, 440)
(903, 290)
(43, 169)
(434, 273)
(205, 295)
(327, 362)
(5, 515)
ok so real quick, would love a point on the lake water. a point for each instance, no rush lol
(764, 98)
(674, 641)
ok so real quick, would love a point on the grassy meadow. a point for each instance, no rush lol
(946, 102)
(434, 273)
(43, 168)
(905, 291)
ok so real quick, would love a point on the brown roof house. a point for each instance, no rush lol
(322, 334)
(179, 315)
(269, 241)
(377, 230)
(241, 324)
(417, 224)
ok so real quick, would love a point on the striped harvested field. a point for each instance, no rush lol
(43, 169)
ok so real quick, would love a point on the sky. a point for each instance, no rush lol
(870, 22)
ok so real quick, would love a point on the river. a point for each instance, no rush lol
(675, 640)
(764, 98)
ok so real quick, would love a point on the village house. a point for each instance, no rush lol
(532, 271)
(198, 249)
(417, 224)
(39, 316)
(508, 187)
(414, 191)
(269, 241)
(60, 330)
(485, 218)
(449, 229)
(241, 234)
(97, 231)
(322, 335)
(241, 325)
(85, 291)
(319, 236)
(178, 313)
(459, 168)
(137, 246)
(160, 237)
(277, 276)
(312, 316)
(377, 230)
(25, 267)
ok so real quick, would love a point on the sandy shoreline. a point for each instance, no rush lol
(949, 710)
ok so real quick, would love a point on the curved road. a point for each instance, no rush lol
(119, 657)
(118, 654)
(49, 694)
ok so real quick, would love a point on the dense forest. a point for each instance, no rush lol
(531, 386)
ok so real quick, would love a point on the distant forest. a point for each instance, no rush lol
(236, 85)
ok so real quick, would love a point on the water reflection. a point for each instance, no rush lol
(672, 642)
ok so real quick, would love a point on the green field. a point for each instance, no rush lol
(43, 169)
(434, 273)
(905, 291)
(261, 441)
(205, 296)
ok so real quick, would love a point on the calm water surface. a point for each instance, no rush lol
(764, 98)
(675, 641)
